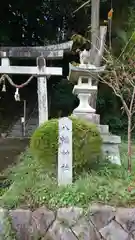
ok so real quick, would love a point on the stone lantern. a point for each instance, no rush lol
(86, 86)
(85, 76)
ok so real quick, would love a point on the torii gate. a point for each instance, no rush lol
(40, 71)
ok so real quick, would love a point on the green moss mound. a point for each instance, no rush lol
(86, 143)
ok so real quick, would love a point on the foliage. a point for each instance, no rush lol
(126, 35)
(131, 23)
(63, 100)
(2, 191)
(79, 42)
(7, 231)
(32, 22)
(86, 144)
(33, 186)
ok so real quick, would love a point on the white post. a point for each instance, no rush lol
(5, 62)
(65, 152)
(42, 92)
(24, 115)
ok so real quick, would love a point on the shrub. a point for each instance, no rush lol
(86, 143)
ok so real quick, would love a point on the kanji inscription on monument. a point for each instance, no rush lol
(65, 151)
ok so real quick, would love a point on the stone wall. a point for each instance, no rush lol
(99, 222)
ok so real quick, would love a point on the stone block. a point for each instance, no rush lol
(69, 216)
(126, 217)
(59, 232)
(42, 219)
(111, 151)
(101, 215)
(83, 230)
(90, 117)
(109, 138)
(21, 222)
(103, 129)
(113, 231)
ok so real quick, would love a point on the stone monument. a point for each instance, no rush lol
(65, 152)
(86, 77)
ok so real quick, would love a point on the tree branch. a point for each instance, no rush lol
(83, 5)
(132, 100)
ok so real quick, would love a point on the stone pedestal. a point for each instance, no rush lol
(94, 118)
(111, 142)
(110, 145)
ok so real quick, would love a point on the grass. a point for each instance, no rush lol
(32, 186)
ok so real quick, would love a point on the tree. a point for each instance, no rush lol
(120, 76)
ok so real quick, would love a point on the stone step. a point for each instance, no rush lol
(30, 131)
(32, 120)
(19, 128)
(111, 139)
(31, 127)
(16, 130)
(104, 129)
(15, 135)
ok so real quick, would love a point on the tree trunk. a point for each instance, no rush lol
(95, 8)
(129, 143)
